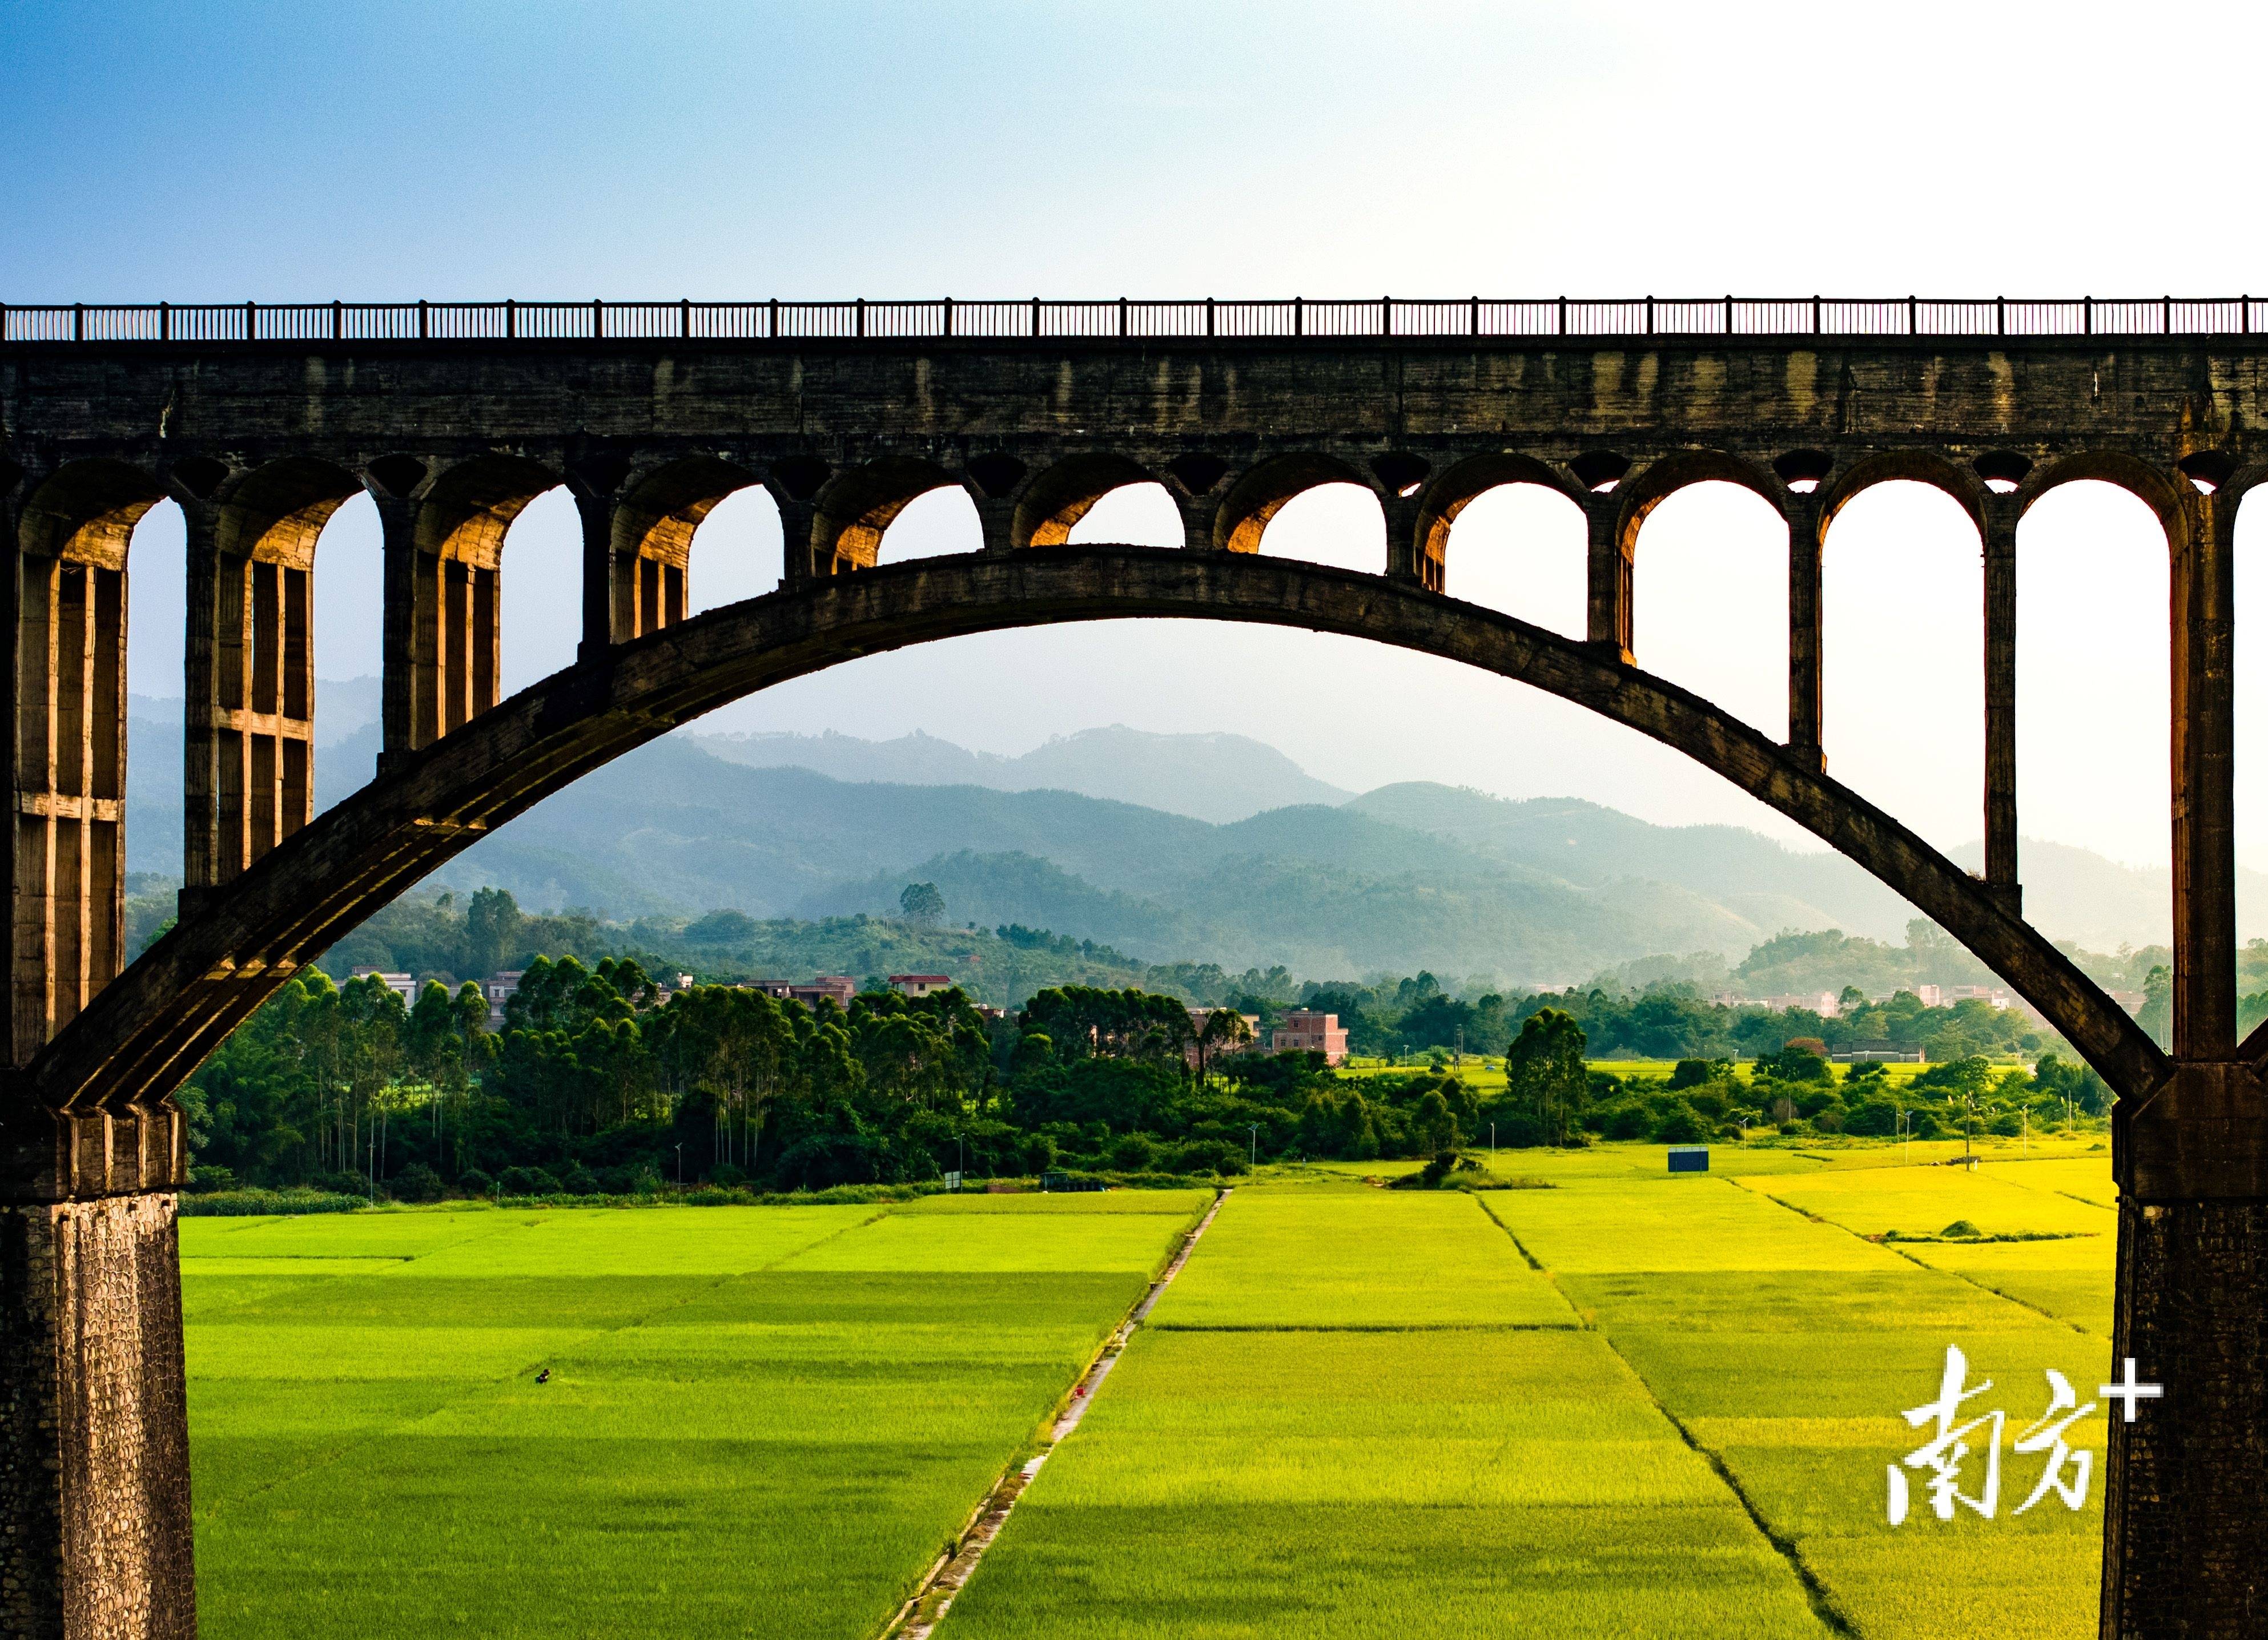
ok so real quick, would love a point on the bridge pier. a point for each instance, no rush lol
(2182, 1538)
(95, 1540)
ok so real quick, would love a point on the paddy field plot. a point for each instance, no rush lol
(1788, 1347)
(1280, 1471)
(2066, 1272)
(1356, 1258)
(758, 1421)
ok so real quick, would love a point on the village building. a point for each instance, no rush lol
(1306, 1032)
(401, 984)
(498, 988)
(920, 984)
(838, 988)
(1200, 1017)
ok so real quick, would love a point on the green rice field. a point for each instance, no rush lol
(760, 1421)
(1623, 1404)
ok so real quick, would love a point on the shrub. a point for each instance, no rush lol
(1134, 1153)
(418, 1182)
(1876, 1118)
(576, 1180)
(250, 1203)
(727, 1174)
(1629, 1121)
(1208, 1155)
(526, 1182)
(206, 1176)
(2007, 1124)
(1693, 1073)
(1811, 1101)
(472, 1181)
(1678, 1123)
(1518, 1132)
(1039, 1153)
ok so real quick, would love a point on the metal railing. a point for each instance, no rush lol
(1778, 317)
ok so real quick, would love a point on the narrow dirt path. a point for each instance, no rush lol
(922, 1614)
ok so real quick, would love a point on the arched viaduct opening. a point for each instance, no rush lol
(150, 1026)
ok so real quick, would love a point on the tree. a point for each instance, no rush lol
(921, 903)
(492, 931)
(1544, 1076)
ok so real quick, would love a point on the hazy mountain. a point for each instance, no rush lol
(1768, 885)
(1209, 777)
(1408, 875)
(2078, 895)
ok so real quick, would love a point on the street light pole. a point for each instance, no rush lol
(1255, 1142)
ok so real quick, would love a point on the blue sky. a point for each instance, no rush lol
(397, 150)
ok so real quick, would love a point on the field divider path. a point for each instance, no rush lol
(951, 1571)
(332, 1456)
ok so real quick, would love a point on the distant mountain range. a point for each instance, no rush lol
(1205, 847)
(1219, 778)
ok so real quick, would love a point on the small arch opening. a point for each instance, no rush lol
(1522, 549)
(1710, 600)
(2003, 471)
(2094, 660)
(1340, 526)
(2207, 470)
(1401, 472)
(931, 526)
(738, 551)
(1803, 471)
(1599, 471)
(538, 591)
(1132, 515)
(1901, 622)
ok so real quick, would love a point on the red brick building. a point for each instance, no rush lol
(1305, 1032)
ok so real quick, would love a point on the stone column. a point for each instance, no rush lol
(95, 1540)
(1806, 701)
(408, 687)
(2000, 863)
(1406, 558)
(1611, 625)
(2204, 784)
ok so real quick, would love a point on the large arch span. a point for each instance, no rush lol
(150, 1027)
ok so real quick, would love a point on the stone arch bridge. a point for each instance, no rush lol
(260, 423)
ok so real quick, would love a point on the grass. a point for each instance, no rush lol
(758, 1421)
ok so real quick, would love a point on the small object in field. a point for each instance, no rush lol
(1689, 1158)
(544, 1376)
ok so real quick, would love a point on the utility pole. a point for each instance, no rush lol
(1460, 1052)
(1255, 1142)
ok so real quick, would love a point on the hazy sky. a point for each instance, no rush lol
(375, 150)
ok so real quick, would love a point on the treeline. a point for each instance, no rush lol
(1795, 1091)
(1664, 1021)
(599, 1083)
